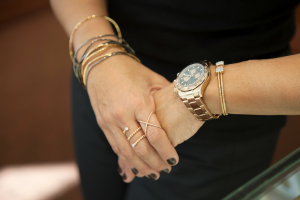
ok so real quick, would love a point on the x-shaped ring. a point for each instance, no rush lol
(147, 123)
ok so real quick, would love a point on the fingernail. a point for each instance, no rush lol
(165, 171)
(152, 177)
(119, 170)
(171, 161)
(124, 177)
(135, 171)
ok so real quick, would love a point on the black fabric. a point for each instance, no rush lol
(168, 35)
(209, 168)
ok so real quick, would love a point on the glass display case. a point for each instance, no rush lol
(279, 182)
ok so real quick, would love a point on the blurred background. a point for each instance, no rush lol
(36, 150)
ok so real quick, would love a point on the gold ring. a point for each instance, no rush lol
(142, 137)
(147, 123)
(125, 129)
(132, 134)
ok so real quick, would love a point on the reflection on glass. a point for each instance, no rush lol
(279, 182)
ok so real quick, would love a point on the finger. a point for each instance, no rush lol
(124, 165)
(158, 138)
(146, 152)
(141, 168)
(127, 174)
(138, 167)
(121, 168)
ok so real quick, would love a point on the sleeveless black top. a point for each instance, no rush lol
(170, 34)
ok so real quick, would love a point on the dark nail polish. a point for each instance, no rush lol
(135, 171)
(152, 177)
(119, 170)
(165, 171)
(124, 177)
(171, 161)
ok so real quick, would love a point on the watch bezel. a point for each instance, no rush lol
(197, 83)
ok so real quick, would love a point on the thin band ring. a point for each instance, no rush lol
(136, 142)
(134, 132)
(147, 123)
(125, 129)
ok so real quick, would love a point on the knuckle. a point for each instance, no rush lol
(118, 113)
(127, 153)
(143, 172)
(140, 107)
(107, 118)
(100, 121)
(115, 149)
(153, 135)
(141, 150)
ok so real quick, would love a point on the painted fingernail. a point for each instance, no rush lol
(152, 177)
(124, 177)
(119, 170)
(135, 171)
(165, 171)
(171, 161)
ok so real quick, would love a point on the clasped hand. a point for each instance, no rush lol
(123, 91)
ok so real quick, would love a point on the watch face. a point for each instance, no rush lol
(191, 76)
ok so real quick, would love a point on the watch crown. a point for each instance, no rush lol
(175, 90)
(178, 74)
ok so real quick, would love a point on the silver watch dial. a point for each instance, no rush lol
(191, 77)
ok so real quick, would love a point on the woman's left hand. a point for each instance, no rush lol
(174, 117)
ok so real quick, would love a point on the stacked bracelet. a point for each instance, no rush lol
(219, 71)
(95, 55)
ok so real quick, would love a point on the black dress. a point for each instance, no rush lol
(167, 36)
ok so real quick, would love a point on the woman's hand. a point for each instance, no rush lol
(120, 91)
(178, 122)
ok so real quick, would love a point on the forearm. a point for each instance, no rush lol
(260, 87)
(70, 12)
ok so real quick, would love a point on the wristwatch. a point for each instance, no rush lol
(190, 85)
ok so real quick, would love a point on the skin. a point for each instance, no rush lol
(255, 87)
(123, 91)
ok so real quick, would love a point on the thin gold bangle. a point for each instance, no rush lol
(92, 52)
(87, 70)
(223, 96)
(85, 67)
(219, 71)
(88, 18)
(87, 59)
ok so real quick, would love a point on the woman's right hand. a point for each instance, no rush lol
(120, 90)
